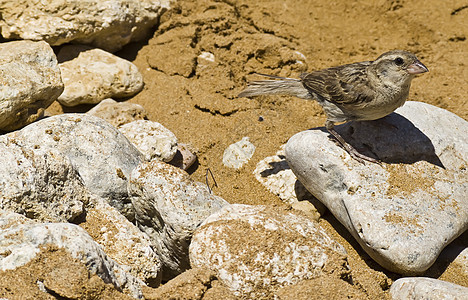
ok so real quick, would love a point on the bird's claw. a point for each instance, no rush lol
(361, 157)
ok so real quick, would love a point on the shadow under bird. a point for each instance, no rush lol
(360, 91)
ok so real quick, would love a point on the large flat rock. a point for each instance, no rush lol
(406, 210)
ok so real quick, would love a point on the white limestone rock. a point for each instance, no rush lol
(123, 242)
(102, 155)
(30, 79)
(405, 211)
(21, 239)
(46, 187)
(257, 249)
(108, 24)
(118, 113)
(95, 75)
(152, 139)
(169, 206)
(239, 153)
(416, 288)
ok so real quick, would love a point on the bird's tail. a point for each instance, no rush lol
(282, 86)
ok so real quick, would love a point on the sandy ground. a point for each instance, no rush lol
(196, 97)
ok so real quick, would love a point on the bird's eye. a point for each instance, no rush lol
(398, 61)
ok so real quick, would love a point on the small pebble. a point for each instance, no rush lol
(239, 153)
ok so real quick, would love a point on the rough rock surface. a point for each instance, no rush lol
(21, 239)
(239, 153)
(118, 113)
(256, 249)
(108, 24)
(123, 242)
(95, 75)
(30, 79)
(45, 187)
(405, 211)
(152, 139)
(102, 155)
(427, 288)
(169, 206)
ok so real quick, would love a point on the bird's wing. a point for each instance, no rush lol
(347, 84)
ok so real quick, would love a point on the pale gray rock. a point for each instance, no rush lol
(152, 139)
(206, 57)
(256, 249)
(169, 206)
(419, 288)
(102, 155)
(405, 211)
(239, 153)
(30, 79)
(45, 187)
(95, 75)
(108, 24)
(118, 113)
(123, 241)
(21, 239)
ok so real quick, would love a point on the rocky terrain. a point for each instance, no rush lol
(131, 169)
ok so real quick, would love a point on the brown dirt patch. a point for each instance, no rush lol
(195, 283)
(401, 181)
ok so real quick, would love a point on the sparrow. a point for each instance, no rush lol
(361, 91)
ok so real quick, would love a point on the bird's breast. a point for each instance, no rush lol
(383, 104)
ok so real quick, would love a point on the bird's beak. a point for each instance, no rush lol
(417, 68)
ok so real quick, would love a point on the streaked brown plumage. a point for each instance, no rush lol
(360, 91)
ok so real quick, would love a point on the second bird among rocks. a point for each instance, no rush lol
(360, 91)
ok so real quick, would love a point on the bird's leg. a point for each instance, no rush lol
(350, 149)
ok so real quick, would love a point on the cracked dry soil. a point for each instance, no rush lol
(204, 52)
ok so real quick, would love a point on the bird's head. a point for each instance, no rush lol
(397, 67)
